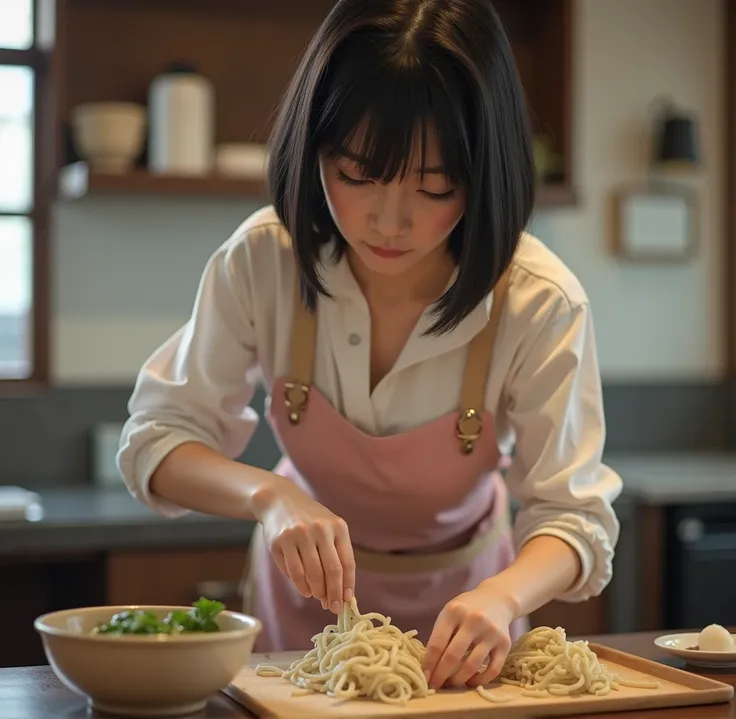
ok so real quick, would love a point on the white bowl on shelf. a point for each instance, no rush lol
(246, 160)
(109, 135)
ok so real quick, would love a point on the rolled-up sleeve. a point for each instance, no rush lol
(555, 408)
(195, 386)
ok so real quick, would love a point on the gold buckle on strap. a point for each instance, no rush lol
(469, 427)
(296, 396)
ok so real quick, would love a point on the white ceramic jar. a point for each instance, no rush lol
(181, 107)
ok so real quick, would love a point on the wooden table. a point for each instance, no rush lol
(36, 693)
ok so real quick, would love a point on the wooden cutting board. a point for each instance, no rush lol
(270, 697)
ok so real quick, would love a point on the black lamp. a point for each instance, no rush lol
(675, 141)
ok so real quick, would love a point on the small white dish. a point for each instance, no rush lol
(682, 645)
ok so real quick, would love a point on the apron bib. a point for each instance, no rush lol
(426, 508)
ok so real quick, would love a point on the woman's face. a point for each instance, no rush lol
(393, 227)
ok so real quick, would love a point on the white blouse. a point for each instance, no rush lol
(544, 385)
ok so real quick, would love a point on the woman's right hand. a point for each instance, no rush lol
(309, 543)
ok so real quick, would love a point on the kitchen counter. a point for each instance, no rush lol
(672, 478)
(91, 519)
(36, 693)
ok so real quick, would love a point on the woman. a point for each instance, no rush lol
(407, 327)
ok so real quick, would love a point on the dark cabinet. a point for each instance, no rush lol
(700, 567)
(35, 585)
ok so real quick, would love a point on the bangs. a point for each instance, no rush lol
(382, 117)
(394, 85)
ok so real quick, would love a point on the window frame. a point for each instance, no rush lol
(729, 240)
(39, 213)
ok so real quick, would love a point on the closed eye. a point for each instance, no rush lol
(440, 195)
(351, 181)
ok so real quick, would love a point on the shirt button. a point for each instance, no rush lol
(354, 339)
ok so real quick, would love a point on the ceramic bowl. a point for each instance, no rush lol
(242, 159)
(145, 675)
(109, 135)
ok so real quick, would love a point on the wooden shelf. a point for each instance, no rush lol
(77, 181)
(227, 41)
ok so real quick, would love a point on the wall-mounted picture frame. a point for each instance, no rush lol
(654, 224)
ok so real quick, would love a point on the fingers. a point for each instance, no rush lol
(319, 570)
(333, 573)
(441, 635)
(313, 569)
(498, 657)
(344, 549)
(338, 561)
(472, 664)
(463, 641)
(295, 569)
(278, 557)
(316, 554)
(452, 657)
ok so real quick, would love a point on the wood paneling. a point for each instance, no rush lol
(249, 50)
(175, 576)
(582, 618)
(111, 50)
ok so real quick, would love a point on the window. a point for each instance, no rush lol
(22, 210)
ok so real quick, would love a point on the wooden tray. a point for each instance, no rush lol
(271, 696)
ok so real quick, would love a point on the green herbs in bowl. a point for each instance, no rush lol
(200, 618)
(148, 660)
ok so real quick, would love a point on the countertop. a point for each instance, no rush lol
(672, 478)
(92, 519)
(36, 693)
(98, 519)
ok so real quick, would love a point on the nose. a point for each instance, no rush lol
(390, 217)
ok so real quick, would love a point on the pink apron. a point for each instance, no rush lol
(426, 509)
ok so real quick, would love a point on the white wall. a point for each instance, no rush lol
(126, 270)
(660, 321)
(126, 273)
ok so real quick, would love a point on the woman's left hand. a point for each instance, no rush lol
(471, 630)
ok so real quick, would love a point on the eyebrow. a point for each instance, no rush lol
(348, 155)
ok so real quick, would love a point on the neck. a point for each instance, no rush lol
(424, 282)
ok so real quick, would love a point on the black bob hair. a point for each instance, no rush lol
(396, 68)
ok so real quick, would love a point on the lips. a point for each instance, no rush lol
(385, 252)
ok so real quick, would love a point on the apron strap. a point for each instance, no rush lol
(475, 377)
(301, 362)
(477, 366)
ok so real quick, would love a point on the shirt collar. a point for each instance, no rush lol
(340, 282)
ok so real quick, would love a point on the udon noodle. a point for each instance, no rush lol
(355, 658)
(543, 662)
